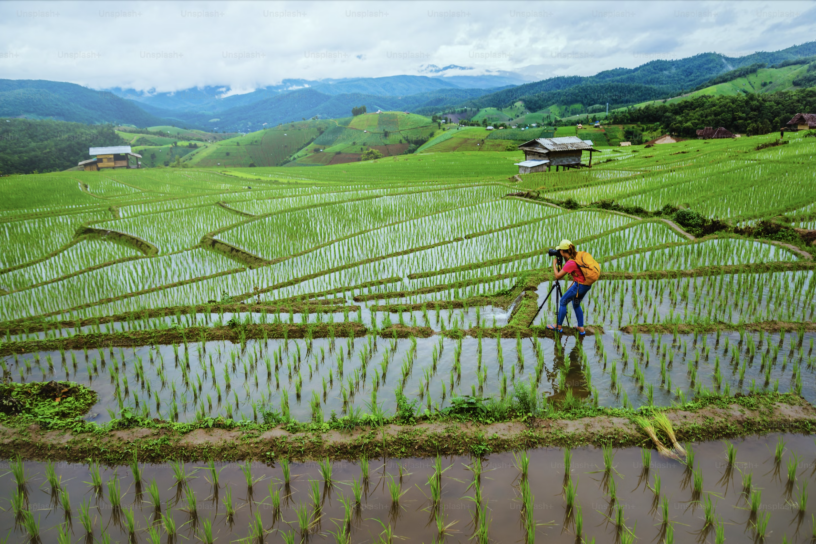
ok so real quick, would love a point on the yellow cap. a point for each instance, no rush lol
(564, 245)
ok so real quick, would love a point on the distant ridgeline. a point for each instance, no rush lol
(752, 113)
(654, 80)
(28, 146)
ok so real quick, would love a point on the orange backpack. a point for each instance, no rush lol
(589, 267)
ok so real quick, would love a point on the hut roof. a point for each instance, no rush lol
(566, 143)
(808, 119)
(83, 163)
(115, 150)
(531, 164)
(709, 132)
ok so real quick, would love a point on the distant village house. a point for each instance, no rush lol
(665, 139)
(709, 133)
(543, 153)
(802, 121)
(111, 157)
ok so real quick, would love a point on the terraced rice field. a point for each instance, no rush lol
(280, 315)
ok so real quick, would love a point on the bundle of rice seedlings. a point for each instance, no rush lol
(647, 427)
(664, 424)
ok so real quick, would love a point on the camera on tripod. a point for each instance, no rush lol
(557, 254)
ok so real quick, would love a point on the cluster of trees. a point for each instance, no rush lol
(358, 111)
(28, 146)
(370, 154)
(807, 80)
(751, 114)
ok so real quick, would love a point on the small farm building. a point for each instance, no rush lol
(802, 121)
(543, 153)
(111, 157)
(665, 139)
(709, 133)
(625, 144)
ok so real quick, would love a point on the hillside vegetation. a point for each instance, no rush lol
(38, 99)
(28, 146)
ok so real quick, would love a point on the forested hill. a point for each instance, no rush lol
(28, 146)
(665, 77)
(751, 114)
(40, 99)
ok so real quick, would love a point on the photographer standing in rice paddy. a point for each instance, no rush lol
(584, 271)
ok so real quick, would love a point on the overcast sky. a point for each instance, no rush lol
(170, 45)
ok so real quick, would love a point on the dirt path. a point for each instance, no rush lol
(163, 442)
(677, 228)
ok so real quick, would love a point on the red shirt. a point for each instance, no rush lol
(572, 268)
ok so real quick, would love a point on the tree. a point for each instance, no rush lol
(370, 154)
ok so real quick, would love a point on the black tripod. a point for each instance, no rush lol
(558, 295)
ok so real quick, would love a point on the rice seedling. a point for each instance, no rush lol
(792, 466)
(65, 501)
(747, 483)
(228, 504)
(205, 532)
(136, 471)
(608, 459)
(153, 535)
(154, 495)
(32, 526)
(314, 493)
(646, 458)
(648, 428)
(731, 454)
(481, 522)
(256, 529)
(52, 478)
(63, 534)
(191, 503)
(567, 461)
(85, 517)
(286, 470)
(246, 469)
(169, 525)
(180, 472)
(130, 522)
(214, 473)
(779, 449)
(756, 501)
(395, 491)
(664, 424)
(802, 499)
(304, 520)
(357, 491)
(18, 471)
(761, 525)
(114, 493)
(656, 485)
(697, 479)
(326, 471)
(522, 462)
(708, 512)
(570, 493)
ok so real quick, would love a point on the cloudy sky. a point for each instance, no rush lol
(170, 45)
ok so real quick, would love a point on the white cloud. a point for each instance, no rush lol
(245, 45)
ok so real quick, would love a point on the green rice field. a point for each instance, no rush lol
(362, 348)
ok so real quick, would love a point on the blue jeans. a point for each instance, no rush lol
(574, 294)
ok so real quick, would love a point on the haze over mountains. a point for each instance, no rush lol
(225, 109)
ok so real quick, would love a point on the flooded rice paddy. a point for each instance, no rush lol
(609, 496)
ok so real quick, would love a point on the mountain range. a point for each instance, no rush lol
(224, 109)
